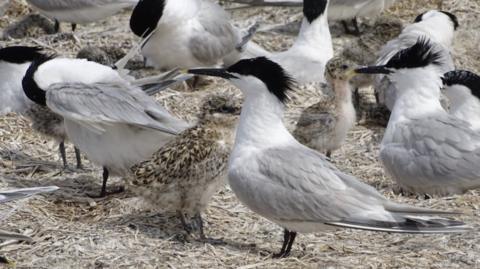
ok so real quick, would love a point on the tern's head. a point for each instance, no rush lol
(145, 16)
(461, 85)
(313, 9)
(20, 54)
(254, 76)
(340, 68)
(423, 55)
(438, 16)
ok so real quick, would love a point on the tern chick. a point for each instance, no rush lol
(183, 175)
(425, 149)
(14, 62)
(295, 186)
(462, 89)
(79, 11)
(324, 125)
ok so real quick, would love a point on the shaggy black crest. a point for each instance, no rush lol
(20, 54)
(452, 17)
(30, 86)
(312, 9)
(419, 18)
(421, 54)
(278, 82)
(464, 78)
(145, 16)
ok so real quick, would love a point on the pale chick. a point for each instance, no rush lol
(183, 175)
(324, 125)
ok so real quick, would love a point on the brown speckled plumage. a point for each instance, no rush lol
(183, 175)
(46, 122)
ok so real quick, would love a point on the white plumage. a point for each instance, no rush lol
(116, 125)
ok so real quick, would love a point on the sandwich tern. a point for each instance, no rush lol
(337, 9)
(438, 26)
(425, 149)
(324, 125)
(79, 11)
(14, 62)
(462, 89)
(185, 33)
(307, 57)
(295, 186)
(184, 174)
(113, 122)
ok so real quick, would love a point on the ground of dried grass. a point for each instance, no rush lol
(120, 231)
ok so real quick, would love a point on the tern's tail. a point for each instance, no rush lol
(16, 194)
(410, 224)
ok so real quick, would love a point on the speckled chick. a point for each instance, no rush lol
(51, 126)
(183, 175)
(324, 125)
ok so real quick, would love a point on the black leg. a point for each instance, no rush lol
(79, 158)
(57, 26)
(186, 226)
(345, 27)
(329, 154)
(103, 192)
(286, 239)
(199, 225)
(74, 26)
(355, 25)
(63, 154)
(293, 235)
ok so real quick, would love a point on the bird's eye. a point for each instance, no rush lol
(344, 67)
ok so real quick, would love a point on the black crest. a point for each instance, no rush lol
(453, 18)
(421, 54)
(30, 86)
(419, 18)
(20, 54)
(278, 82)
(312, 9)
(464, 78)
(145, 16)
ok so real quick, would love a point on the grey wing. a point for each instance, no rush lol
(295, 183)
(217, 38)
(104, 103)
(50, 5)
(16, 194)
(443, 149)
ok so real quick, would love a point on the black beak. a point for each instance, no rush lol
(381, 69)
(212, 72)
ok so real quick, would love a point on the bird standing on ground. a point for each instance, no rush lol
(307, 57)
(114, 123)
(462, 89)
(324, 125)
(186, 33)
(438, 27)
(185, 173)
(425, 149)
(79, 11)
(295, 186)
(14, 62)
